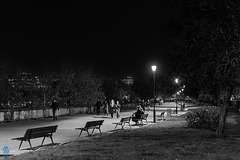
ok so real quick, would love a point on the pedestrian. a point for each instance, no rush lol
(143, 104)
(98, 106)
(54, 107)
(106, 106)
(117, 106)
(148, 105)
(112, 107)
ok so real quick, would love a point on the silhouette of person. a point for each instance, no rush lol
(112, 107)
(54, 107)
(98, 106)
(117, 106)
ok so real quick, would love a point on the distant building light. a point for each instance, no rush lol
(128, 80)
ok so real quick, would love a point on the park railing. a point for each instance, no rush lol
(19, 114)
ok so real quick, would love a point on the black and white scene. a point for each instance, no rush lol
(120, 80)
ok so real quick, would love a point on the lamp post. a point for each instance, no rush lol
(154, 111)
(176, 81)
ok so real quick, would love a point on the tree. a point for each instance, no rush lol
(115, 89)
(87, 88)
(208, 48)
(75, 87)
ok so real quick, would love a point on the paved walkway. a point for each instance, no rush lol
(66, 128)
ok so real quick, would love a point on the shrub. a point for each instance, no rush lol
(207, 117)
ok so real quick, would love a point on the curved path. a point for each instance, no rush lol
(66, 128)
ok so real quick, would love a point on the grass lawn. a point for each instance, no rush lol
(170, 139)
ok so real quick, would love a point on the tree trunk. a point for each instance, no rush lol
(224, 109)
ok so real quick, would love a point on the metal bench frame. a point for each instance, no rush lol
(161, 116)
(144, 117)
(91, 125)
(37, 133)
(122, 122)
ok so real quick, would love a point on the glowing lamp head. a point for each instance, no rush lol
(176, 80)
(154, 68)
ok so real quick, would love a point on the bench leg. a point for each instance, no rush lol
(130, 125)
(116, 127)
(43, 141)
(80, 133)
(51, 139)
(20, 145)
(100, 131)
(88, 133)
(92, 131)
(30, 144)
(123, 125)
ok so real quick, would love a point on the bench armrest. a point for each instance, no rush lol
(80, 128)
(19, 138)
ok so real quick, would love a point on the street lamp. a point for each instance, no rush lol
(176, 81)
(154, 111)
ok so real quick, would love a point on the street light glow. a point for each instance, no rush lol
(154, 68)
(176, 80)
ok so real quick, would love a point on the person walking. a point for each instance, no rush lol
(54, 107)
(117, 106)
(112, 107)
(143, 104)
(148, 105)
(98, 106)
(106, 106)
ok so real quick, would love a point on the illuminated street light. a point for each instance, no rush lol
(154, 68)
(176, 81)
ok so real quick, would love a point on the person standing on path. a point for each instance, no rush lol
(117, 106)
(148, 105)
(54, 107)
(106, 106)
(112, 107)
(98, 106)
(143, 104)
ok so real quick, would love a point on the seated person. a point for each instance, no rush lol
(137, 115)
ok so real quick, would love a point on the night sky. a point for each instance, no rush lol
(112, 38)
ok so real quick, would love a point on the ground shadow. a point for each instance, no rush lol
(119, 129)
(40, 146)
(102, 117)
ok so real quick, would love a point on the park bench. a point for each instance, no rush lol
(143, 117)
(39, 132)
(122, 122)
(91, 125)
(160, 116)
